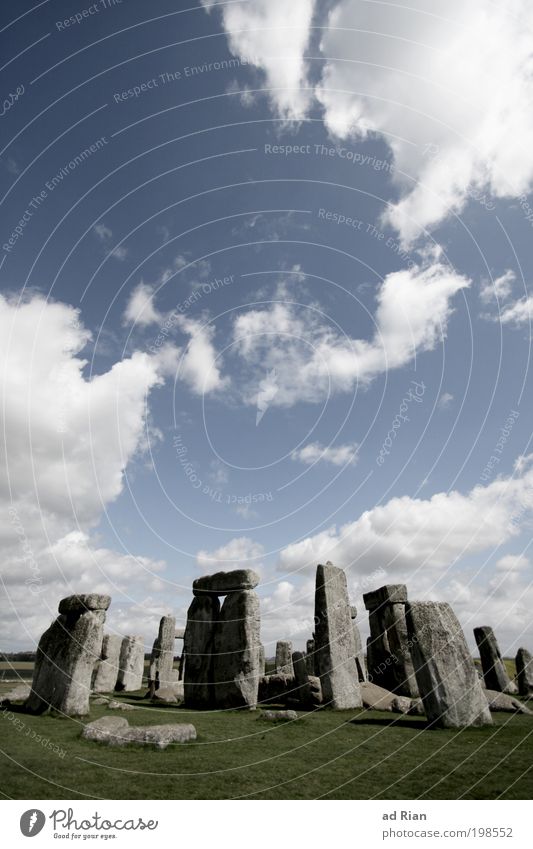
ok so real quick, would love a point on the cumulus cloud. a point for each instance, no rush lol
(67, 442)
(336, 455)
(238, 553)
(448, 89)
(272, 35)
(310, 358)
(140, 309)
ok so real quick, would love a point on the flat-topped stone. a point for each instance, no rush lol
(278, 715)
(222, 583)
(115, 731)
(389, 594)
(84, 602)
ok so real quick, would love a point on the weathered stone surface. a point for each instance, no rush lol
(81, 603)
(449, 686)
(502, 702)
(105, 728)
(301, 691)
(316, 689)
(278, 715)
(198, 645)
(376, 698)
(417, 707)
(310, 657)
(116, 731)
(275, 688)
(284, 658)
(359, 654)
(222, 583)
(262, 660)
(116, 705)
(524, 672)
(334, 641)
(236, 651)
(131, 664)
(66, 656)
(389, 661)
(99, 700)
(106, 670)
(494, 671)
(389, 594)
(162, 658)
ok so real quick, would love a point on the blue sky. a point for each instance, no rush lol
(270, 307)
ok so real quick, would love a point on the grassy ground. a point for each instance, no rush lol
(357, 755)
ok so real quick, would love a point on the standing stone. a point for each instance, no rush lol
(389, 661)
(310, 657)
(524, 672)
(451, 691)
(334, 643)
(284, 658)
(236, 651)
(222, 583)
(106, 670)
(66, 656)
(494, 671)
(262, 660)
(162, 659)
(301, 689)
(359, 654)
(197, 647)
(131, 664)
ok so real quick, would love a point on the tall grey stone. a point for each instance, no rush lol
(301, 689)
(66, 655)
(451, 691)
(162, 658)
(310, 657)
(389, 661)
(334, 642)
(359, 653)
(106, 669)
(284, 658)
(262, 660)
(524, 672)
(202, 615)
(131, 664)
(236, 651)
(494, 671)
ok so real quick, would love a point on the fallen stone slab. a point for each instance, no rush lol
(503, 702)
(99, 700)
(222, 583)
(166, 695)
(278, 715)
(116, 731)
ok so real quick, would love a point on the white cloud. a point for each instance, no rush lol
(407, 534)
(310, 358)
(272, 35)
(338, 455)
(67, 442)
(448, 88)
(140, 309)
(238, 553)
(498, 289)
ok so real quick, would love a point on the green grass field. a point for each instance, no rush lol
(326, 754)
